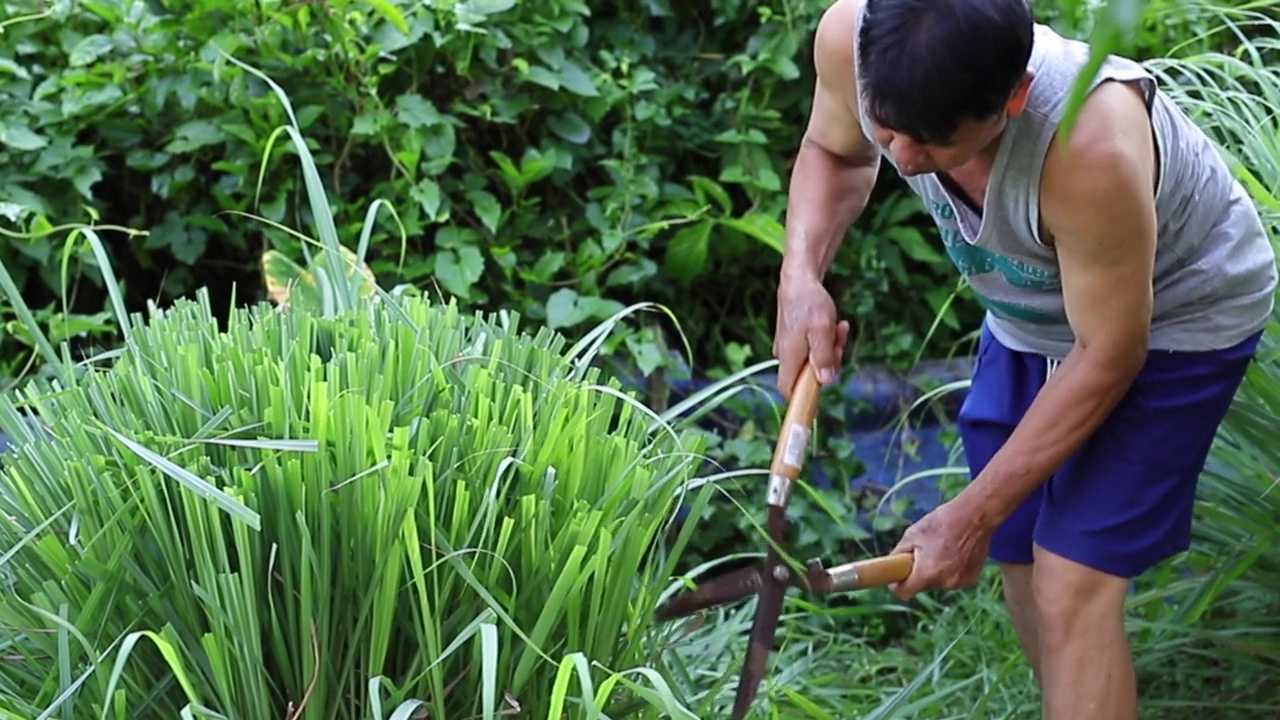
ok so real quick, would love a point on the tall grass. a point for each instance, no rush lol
(387, 508)
(1233, 602)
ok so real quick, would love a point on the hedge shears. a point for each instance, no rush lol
(770, 579)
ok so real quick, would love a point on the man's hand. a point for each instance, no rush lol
(807, 329)
(950, 546)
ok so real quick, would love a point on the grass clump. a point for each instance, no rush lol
(331, 517)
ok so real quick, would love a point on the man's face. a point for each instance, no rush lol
(916, 158)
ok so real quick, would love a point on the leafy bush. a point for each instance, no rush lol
(559, 161)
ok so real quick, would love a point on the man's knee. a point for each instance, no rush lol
(1020, 599)
(1070, 597)
(1017, 579)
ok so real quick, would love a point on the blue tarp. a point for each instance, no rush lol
(875, 402)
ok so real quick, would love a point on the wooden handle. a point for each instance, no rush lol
(876, 572)
(886, 570)
(793, 439)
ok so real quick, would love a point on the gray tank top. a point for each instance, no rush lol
(1215, 270)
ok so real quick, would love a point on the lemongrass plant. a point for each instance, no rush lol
(375, 507)
(317, 516)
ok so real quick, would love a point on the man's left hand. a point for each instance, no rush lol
(950, 546)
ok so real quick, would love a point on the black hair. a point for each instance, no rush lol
(927, 66)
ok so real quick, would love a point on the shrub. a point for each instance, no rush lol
(553, 157)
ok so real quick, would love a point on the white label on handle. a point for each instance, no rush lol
(797, 440)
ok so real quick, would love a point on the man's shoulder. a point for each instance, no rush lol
(834, 39)
(833, 47)
(1107, 156)
(1111, 114)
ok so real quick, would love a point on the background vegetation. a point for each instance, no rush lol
(556, 162)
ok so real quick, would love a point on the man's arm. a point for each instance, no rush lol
(1098, 201)
(836, 166)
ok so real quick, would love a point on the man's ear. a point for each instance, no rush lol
(1018, 102)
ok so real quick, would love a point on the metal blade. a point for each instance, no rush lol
(763, 631)
(773, 587)
(728, 588)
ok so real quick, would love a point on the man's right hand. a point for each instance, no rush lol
(807, 328)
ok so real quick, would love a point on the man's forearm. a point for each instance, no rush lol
(827, 194)
(1077, 399)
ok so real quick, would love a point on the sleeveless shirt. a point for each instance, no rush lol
(1215, 269)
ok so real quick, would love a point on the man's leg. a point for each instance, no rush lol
(1121, 505)
(1020, 599)
(1086, 666)
(1005, 382)
(1012, 548)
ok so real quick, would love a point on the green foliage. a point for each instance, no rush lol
(546, 157)
(1138, 29)
(453, 523)
(487, 140)
(559, 161)
(1235, 95)
(204, 498)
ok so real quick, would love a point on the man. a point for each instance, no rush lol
(1126, 277)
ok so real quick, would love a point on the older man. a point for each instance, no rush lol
(1126, 276)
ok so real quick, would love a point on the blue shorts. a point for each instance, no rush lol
(1123, 503)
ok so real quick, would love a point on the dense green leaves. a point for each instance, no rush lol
(501, 132)
(300, 505)
(644, 147)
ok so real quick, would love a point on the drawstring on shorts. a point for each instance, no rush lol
(1050, 364)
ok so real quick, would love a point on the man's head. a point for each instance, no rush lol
(942, 77)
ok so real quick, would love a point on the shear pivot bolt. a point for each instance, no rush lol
(781, 574)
